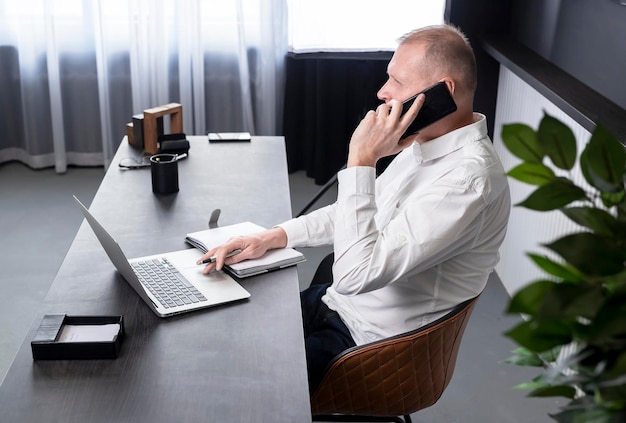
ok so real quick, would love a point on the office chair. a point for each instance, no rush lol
(396, 376)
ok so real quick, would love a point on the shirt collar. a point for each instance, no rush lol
(451, 141)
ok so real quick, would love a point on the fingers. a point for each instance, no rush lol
(376, 136)
(395, 108)
(383, 109)
(235, 250)
(414, 109)
(392, 112)
(407, 119)
(220, 255)
(208, 268)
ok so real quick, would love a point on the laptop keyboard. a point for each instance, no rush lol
(166, 283)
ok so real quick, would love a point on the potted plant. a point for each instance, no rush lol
(574, 326)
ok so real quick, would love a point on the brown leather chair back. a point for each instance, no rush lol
(394, 376)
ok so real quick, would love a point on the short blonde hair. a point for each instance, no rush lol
(448, 51)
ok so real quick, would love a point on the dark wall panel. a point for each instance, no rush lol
(587, 39)
(475, 18)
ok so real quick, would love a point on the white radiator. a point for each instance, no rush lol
(518, 102)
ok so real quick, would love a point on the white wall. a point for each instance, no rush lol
(518, 102)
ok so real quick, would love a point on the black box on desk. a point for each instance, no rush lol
(137, 138)
(47, 344)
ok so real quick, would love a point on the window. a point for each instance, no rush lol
(357, 25)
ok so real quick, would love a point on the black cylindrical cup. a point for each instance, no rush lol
(164, 168)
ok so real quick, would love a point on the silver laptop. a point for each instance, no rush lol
(169, 283)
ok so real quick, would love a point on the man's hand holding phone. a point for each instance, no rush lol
(437, 105)
(378, 135)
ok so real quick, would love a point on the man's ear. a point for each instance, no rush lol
(449, 83)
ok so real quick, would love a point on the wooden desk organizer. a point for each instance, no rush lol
(151, 124)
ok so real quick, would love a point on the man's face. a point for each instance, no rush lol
(405, 79)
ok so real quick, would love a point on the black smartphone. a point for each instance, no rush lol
(437, 104)
(229, 136)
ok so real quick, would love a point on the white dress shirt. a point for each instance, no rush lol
(416, 241)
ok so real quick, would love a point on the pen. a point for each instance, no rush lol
(213, 258)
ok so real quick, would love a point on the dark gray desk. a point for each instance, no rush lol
(242, 362)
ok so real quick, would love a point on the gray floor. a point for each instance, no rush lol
(38, 221)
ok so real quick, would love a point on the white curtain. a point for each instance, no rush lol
(74, 72)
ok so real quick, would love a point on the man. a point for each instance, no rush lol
(421, 238)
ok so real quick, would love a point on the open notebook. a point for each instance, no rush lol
(271, 260)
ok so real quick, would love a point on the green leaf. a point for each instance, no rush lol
(521, 140)
(540, 336)
(603, 161)
(598, 220)
(558, 141)
(571, 301)
(531, 385)
(610, 199)
(550, 356)
(614, 396)
(529, 298)
(616, 284)
(609, 323)
(525, 359)
(592, 254)
(532, 173)
(618, 368)
(553, 268)
(553, 195)
(591, 415)
(554, 391)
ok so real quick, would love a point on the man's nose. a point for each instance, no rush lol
(383, 94)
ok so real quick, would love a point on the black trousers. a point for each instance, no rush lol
(325, 334)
